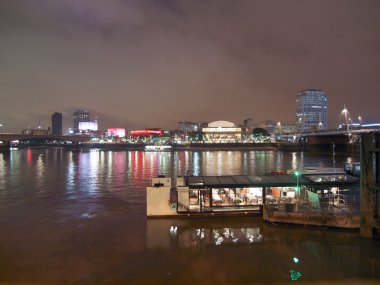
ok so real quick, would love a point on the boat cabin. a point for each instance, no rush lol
(237, 193)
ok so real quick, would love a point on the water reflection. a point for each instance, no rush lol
(196, 167)
(93, 210)
(248, 248)
(3, 171)
(70, 177)
(170, 233)
(98, 172)
(223, 236)
(40, 171)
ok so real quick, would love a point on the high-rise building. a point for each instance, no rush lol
(56, 123)
(80, 116)
(311, 113)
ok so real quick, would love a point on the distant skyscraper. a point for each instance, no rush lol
(311, 113)
(80, 116)
(56, 123)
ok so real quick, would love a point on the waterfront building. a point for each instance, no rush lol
(186, 126)
(189, 130)
(311, 110)
(80, 116)
(146, 135)
(222, 132)
(267, 125)
(116, 132)
(88, 127)
(35, 132)
(56, 123)
(285, 131)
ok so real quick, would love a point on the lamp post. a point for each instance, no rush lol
(297, 174)
(279, 129)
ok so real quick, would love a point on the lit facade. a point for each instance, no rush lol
(88, 127)
(222, 132)
(80, 116)
(116, 132)
(311, 110)
(146, 133)
(186, 126)
(35, 132)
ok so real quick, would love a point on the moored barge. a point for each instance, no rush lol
(247, 194)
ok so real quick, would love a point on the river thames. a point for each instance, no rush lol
(80, 217)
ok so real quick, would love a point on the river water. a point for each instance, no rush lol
(79, 217)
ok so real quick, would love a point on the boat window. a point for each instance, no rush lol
(193, 197)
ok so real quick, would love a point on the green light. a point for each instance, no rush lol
(295, 275)
(296, 173)
(295, 259)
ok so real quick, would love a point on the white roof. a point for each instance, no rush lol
(221, 124)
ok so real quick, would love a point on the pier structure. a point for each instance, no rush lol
(370, 185)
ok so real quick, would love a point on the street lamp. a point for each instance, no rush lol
(346, 114)
(1, 126)
(360, 120)
(279, 129)
(297, 174)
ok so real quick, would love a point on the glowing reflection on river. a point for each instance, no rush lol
(79, 217)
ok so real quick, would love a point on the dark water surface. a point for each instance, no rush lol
(79, 217)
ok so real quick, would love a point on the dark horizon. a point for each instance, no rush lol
(152, 63)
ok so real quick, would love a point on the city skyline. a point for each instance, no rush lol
(141, 64)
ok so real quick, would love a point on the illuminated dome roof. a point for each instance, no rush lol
(221, 124)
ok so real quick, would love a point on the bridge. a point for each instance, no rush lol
(340, 132)
(8, 138)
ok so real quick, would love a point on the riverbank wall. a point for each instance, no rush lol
(278, 146)
(188, 147)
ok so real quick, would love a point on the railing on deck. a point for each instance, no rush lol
(311, 203)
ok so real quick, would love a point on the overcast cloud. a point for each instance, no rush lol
(152, 63)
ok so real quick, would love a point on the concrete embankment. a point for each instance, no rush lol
(238, 146)
(178, 147)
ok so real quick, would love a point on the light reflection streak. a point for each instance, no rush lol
(40, 171)
(219, 169)
(245, 162)
(196, 167)
(252, 161)
(29, 157)
(109, 167)
(70, 177)
(118, 172)
(3, 172)
(92, 177)
(294, 163)
(279, 161)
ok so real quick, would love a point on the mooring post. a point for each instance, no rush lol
(366, 180)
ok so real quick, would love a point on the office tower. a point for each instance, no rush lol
(311, 113)
(56, 123)
(80, 116)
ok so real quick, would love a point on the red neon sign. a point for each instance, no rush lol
(146, 132)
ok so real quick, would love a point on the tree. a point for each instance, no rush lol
(260, 132)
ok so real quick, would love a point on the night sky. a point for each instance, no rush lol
(152, 63)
